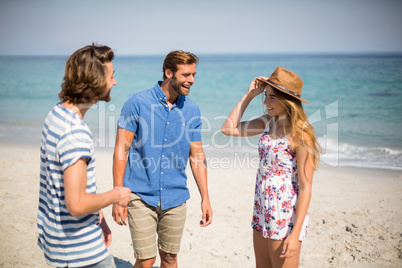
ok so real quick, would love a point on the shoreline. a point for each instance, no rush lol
(355, 216)
(212, 154)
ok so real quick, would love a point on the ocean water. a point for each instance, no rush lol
(355, 100)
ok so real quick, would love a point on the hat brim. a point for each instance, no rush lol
(272, 85)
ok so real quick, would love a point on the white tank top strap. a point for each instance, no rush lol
(267, 126)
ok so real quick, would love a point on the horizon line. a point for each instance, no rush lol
(348, 53)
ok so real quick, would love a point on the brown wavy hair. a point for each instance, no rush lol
(85, 74)
(300, 128)
(178, 57)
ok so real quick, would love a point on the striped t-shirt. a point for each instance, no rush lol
(66, 240)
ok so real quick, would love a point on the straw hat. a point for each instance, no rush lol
(287, 82)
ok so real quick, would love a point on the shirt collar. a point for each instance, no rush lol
(159, 93)
(162, 96)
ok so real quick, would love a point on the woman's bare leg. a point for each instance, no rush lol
(261, 251)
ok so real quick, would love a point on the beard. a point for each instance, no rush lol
(177, 86)
(105, 96)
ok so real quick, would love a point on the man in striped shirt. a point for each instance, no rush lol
(72, 229)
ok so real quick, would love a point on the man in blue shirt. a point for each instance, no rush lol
(159, 130)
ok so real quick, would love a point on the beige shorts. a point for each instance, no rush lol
(146, 221)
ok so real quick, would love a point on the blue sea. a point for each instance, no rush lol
(355, 100)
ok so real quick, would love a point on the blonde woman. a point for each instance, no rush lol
(289, 154)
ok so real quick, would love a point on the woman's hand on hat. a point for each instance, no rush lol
(256, 86)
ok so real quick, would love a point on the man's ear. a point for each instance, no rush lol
(169, 73)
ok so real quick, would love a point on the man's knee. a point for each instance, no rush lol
(148, 263)
(168, 257)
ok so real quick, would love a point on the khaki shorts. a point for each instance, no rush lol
(146, 221)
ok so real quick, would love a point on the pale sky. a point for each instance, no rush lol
(143, 27)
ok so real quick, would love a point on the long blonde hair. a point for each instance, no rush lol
(300, 127)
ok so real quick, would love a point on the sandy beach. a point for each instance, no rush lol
(355, 216)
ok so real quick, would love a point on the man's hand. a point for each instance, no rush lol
(119, 214)
(123, 195)
(206, 213)
(107, 234)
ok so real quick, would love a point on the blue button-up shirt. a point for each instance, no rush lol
(159, 153)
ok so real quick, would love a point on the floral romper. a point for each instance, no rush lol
(276, 189)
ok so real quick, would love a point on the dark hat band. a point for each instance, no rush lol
(284, 89)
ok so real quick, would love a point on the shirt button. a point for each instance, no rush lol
(168, 123)
(165, 139)
(161, 172)
(161, 189)
(163, 156)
